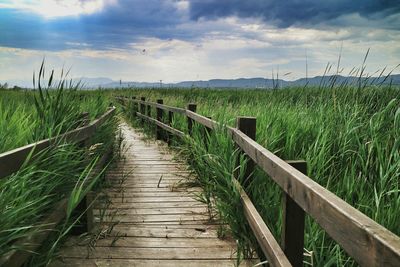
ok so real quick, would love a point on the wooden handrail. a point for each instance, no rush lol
(268, 244)
(162, 125)
(369, 243)
(32, 243)
(366, 241)
(156, 105)
(11, 161)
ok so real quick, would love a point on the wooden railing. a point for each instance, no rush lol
(11, 162)
(367, 242)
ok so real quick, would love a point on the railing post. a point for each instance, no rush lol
(191, 107)
(134, 106)
(206, 133)
(142, 106)
(89, 198)
(248, 126)
(293, 223)
(170, 118)
(86, 221)
(160, 135)
(148, 111)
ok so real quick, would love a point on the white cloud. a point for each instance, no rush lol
(58, 8)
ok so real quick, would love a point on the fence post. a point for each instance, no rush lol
(170, 118)
(89, 198)
(191, 107)
(159, 130)
(87, 220)
(293, 217)
(142, 106)
(206, 133)
(248, 126)
(134, 106)
(148, 111)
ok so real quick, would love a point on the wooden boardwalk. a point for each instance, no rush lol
(149, 220)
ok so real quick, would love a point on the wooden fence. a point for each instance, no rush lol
(367, 242)
(11, 162)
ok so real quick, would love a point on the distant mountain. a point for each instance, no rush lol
(94, 83)
(260, 82)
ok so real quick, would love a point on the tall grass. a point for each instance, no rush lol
(349, 139)
(59, 172)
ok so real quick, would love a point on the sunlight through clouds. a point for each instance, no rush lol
(58, 8)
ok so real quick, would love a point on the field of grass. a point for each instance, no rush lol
(58, 172)
(350, 138)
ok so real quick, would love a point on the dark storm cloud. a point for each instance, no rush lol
(126, 22)
(114, 27)
(293, 12)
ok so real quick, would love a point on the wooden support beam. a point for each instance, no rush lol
(206, 135)
(142, 106)
(159, 130)
(170, 119)
(247, 125)
(134, 106)
(192, 107)
(148, 110)
(293, 219)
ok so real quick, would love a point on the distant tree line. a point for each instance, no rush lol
(5, 86)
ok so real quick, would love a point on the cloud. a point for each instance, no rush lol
(284, 14)
(57, 8)
(116, 25)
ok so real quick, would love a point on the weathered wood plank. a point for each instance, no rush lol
(120, 217)
(162, 125)
(209, 123)
(69, 262)
(12, 160)
(156, 211)
(149, 253)
(369, 243)
(156, 242)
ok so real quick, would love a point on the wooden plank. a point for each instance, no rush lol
(162, 106)
(165, 241)
(293, 222)
(149, 253)
(122, 206)
(155, 211)
(131, 188)
(191, 108)
(119, 217)
(247, 125)
(173, 225)
(267, 242)
(48, 225)
(162, 125)
(148, 194)
(369, 243)
(150, 199)
(135, 231)
(70, 262)
(11, 161)
(16, 258)
(209, 123)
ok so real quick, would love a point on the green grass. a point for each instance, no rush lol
(349, 136)
(59, 172)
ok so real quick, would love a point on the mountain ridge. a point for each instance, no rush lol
(257, 82)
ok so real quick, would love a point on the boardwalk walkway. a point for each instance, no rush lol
(150, 220)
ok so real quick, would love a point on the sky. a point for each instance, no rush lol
(178, 40)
